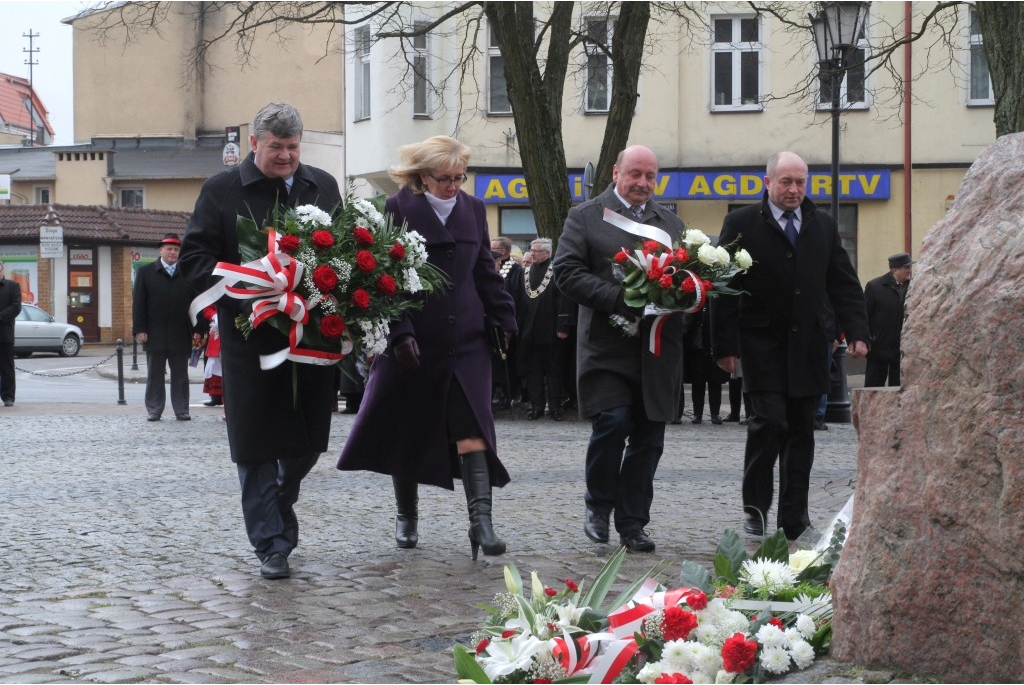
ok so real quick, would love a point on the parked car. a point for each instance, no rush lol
(36, 331)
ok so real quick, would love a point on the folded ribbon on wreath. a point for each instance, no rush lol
(272, 281)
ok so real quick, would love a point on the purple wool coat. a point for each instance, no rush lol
(401, 427)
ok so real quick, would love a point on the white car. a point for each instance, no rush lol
(36, 331)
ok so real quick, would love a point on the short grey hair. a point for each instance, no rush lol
(542, 243)
(279, 119)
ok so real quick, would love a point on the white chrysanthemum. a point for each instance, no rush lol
(724, 677)
(311, 214)
(743, 259)
(415, 248)
(649, 673)
(375, 336)
(707, 254)
(767, 574)
(704, 659)
(770, 636)
(805, 624)
(370, 213)
(695, 238)
(793, 637)
(802, 654)
(676, 655)
(411, 281)
(507, 656)
(775, 659)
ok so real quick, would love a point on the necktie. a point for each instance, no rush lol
(170, 271)
(637, 212)
(790, 227)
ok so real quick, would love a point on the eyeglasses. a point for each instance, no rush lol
(448, 180)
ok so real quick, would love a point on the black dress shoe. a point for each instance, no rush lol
(535, 414)
(596, 526)
(212, 402)
(556, 416)
(819, 425)
(732, 418)
(183, 417)
(276, 566)
(753, 525)
(153, 417)
(696, 419)
(637, 541)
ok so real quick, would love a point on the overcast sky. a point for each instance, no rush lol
(51, 73)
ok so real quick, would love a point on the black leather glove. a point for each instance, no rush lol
(622, 309)
(407, 352)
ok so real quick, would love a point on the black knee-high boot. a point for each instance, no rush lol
(406, 498)
(476, 480)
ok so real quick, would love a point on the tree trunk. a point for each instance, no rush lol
(1002, 28)
(627, 57)
(536, 101)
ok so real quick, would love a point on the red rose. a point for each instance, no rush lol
(363, 237)
(738, 654)
(324, 278)
(681, 254)
(665, 281)
(365, 261)
(288, 243)
(655, 273)
(651, 246)
(687, 286)
(361, 299)
(397, 252)
(322, 239)
(332, 326)
(707, 285)
(677, 623)
(482, 645)
(571, 585)
(386, 284)
(698, 601)
(621, 256)
(777, 622)
(672, 678)
(550, 592)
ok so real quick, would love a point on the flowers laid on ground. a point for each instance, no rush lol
(756, 617)
(331, 284)
(661, 278)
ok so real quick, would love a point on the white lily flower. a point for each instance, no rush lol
(507, 656)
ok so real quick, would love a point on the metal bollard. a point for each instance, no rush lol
(135, 354)
(837, 410)
(120, 372)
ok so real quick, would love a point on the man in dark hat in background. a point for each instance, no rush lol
(161, 323)
(885, 297)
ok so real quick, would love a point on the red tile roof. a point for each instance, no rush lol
(104, 225)
(14, 115)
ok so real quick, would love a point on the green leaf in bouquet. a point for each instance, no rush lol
(527, 611)
(774, 547)
(634, 279)
(467, 667)
(695, 575)
(729, 557)
(592, 621)
(596, 593)
(630, 591)
(635, 298)
(816, 574)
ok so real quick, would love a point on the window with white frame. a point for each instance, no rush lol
(497, 86)
(361, 36)
(980, 82)
(853, 92)
(736, 63)
(421, 71)
(131, 198)
(597, 96)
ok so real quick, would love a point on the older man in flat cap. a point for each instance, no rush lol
(161, 323)
(885, 297)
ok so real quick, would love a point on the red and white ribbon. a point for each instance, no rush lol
(642, 230)
(271, 281)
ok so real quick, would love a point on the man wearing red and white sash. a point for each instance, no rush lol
(627, 390)
(276, 432)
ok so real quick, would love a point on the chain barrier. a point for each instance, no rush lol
(69, 373)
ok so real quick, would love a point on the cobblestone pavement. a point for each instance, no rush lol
(125, 559)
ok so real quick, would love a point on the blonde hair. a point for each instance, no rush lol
(438, 152)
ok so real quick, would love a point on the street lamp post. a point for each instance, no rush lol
(837, 28)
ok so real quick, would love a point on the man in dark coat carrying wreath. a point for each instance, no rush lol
(276, 431)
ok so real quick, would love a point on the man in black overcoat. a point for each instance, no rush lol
(276, 431)
(885, 298)
(10, 307)
(627, 391)
(800, 285)
(160, 322)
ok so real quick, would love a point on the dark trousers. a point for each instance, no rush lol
(7, 383)
(735, 396)
(878, 370)
(620, 476)
(268, 488)
(156, 393)
(781, 429)
(543, 368)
